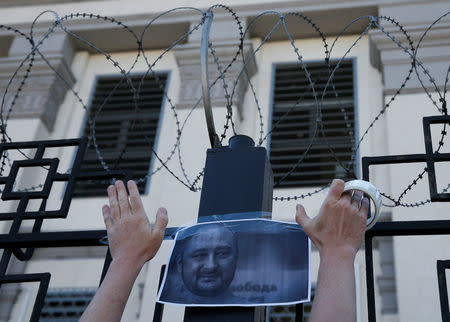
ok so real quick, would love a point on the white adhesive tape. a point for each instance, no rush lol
(373, 193)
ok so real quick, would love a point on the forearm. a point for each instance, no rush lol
(335, 298)
(109, 301)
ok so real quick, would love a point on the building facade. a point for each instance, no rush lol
(376, 91)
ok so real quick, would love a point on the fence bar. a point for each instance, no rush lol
(53, 239)
(369, 279)
(409, 228)
(443, 293)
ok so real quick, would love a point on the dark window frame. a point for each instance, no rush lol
(168, 74)
(348, 60)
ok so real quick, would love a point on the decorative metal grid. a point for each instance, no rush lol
(410, 228)
(13, 242)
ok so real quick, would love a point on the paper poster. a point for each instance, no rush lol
(238, 263)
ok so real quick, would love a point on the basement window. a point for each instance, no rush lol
(66, 304)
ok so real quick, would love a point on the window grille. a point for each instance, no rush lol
(66, 305)
(287, 313)
(119, 125)
(293, 133)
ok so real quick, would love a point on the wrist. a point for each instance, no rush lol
(338, 254)
(127, 265)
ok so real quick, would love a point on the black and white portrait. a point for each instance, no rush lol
(238, 262)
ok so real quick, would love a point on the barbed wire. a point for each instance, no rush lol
(240, 57)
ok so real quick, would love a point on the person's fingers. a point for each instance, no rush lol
(356, 199)
(113, 203)
(347, 196)
(301, 217)
(161, 222)
(107, 218)
(336, 188)
(364, 210)
(124, 204)
(135, 198)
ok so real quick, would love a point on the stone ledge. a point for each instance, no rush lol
(188, 59)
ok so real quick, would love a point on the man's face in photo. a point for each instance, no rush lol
(208, 262)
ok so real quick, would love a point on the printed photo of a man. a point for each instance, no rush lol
(207, 267)
(207, 263)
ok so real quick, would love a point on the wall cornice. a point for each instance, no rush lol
(43, 90)
(188, 60)
(143, 10)
(433, 52)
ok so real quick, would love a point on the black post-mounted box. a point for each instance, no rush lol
(238, 179)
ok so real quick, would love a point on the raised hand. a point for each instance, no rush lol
(337, 232)
(130, 234)
(340, 224)
(132, 242)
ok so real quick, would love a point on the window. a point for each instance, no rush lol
(66, 304)
(121, 130)
(294, 109)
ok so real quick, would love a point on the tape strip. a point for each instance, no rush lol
(235, 216)
(373, 193)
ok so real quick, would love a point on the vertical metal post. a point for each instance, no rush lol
(238, 179)
(40, 298)
(159, 307)
(369, 279)
(106, 263)
(369, 256)
(299, 312)
(443, 293)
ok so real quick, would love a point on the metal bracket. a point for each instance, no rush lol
(213, 138)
